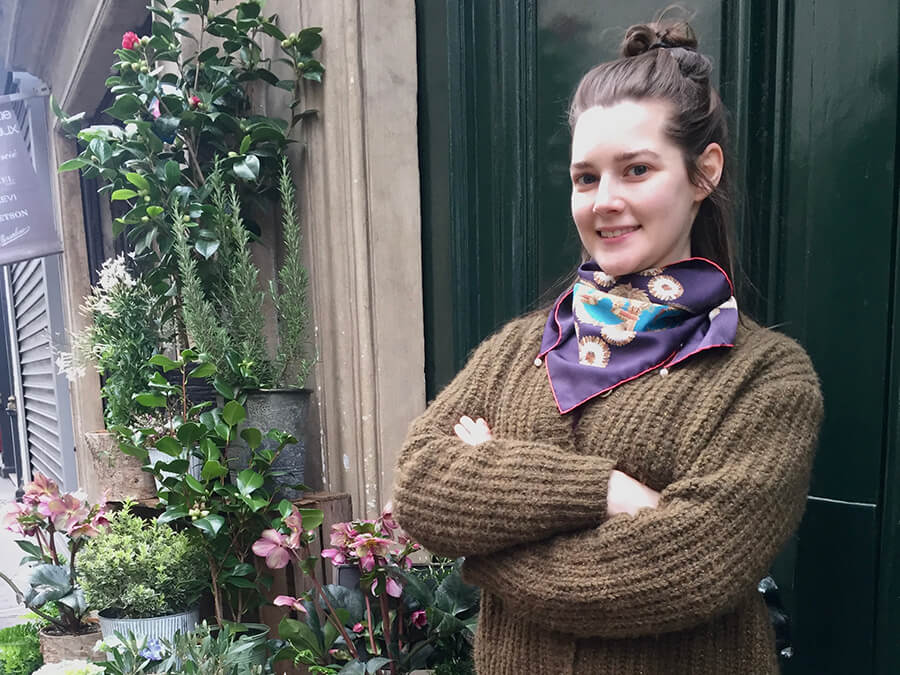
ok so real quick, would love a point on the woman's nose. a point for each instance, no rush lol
(606, 199)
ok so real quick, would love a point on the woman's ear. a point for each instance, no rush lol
(710, 163)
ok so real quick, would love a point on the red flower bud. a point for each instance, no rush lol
(194, 101)
(130, 40)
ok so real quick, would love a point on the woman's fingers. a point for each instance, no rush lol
(472, 431)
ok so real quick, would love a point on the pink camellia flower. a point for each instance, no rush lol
(337, 556)
(273, 547)
(130, 40)
(154, 108)
(194, 101)
(393, 588)
(39, 490)
(288, 601)
(419, 618)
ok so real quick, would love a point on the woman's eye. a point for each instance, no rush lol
(638, 170)
(585, 179)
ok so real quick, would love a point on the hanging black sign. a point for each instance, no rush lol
(26, 218)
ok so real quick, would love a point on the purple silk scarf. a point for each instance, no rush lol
(605, 331)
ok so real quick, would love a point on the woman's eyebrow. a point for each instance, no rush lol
(620, 157)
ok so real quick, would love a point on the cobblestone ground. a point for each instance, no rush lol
(10, 554)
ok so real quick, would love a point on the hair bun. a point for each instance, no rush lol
(642, 38)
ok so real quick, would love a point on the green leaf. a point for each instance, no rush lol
(125, 107)
(353, 668)
(137, 180)
(248, 168)
(299, 635)
(213, 470)
(234, 413)
(204, 370)
(101, 149)
(119, 195)
(245, 144)
(28, 547)
(249, 480)
(165, 362)
(72, 165)
(225, 389)
(206, 247)
(189, 432)
(210, 524)
(312, 518)
(252, 437)
(273, 30)
(173, 173)
(375, 663)
(194, 484)
(150, 400)
(454, 596)
(170, 446)
(243, 570)
(240, 582)
(172, 513)
(154, 211)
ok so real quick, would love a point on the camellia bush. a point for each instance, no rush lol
(183, 103)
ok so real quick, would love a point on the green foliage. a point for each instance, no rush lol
(20, 649)
(141, 569)
(240, 351)
(181, 101)
(220, 652)
(230, 512)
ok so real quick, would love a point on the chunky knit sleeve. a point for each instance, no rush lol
(713, 536)
(456, 499)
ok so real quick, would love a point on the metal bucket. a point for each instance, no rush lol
(160, 627)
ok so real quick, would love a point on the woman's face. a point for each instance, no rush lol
(632, 200)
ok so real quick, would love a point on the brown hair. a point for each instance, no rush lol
(660, 61)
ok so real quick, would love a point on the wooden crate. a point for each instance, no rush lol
(336, 508)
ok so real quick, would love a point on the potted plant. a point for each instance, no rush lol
(230, 510)
(48, 517)
(143, 577)
(390, 618)
(122, 333)
(227, 328)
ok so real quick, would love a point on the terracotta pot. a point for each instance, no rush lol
(56, 648)
(117, 474)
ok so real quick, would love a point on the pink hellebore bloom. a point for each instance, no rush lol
(386, 521)
(419, 618)
(130, 40)
(65, 512)
(394, 589)
(294, 521)
(11, 518)
(368, 548)
(273, 547)
(288, 601)
(342, 535)
(39, 490)
(337, 556)
(357, 628)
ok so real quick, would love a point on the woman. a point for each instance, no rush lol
(620, 473)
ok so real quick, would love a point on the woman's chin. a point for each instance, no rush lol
(615, 265)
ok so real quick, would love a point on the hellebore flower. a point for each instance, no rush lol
(130, 40)
(39, 490)
(419, 618)
(393, 588)
(288, 601)
(357, 628)
(337, 556)
(294, 522)
(342, 535)
(386, 521)
(370, 549)
(273, 547)
(12, 519)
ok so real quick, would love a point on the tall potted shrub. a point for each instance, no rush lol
(228, 328)
(121, 335)
(143, 577)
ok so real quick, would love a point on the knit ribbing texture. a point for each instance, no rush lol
(727, 438)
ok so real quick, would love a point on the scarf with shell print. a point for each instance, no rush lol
(605, 331)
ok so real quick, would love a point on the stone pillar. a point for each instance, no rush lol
(359, 196)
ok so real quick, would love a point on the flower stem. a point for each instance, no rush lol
(386, 627)
(371, 625)
(332, 616)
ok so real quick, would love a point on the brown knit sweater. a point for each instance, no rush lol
(727, 437)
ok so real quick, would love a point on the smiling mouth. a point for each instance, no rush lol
(620, 232)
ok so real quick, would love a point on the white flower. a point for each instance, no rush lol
(69, 667)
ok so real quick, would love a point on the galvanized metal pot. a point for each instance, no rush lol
(160, 627)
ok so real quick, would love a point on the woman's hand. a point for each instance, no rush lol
(627, 495)
(473, 432)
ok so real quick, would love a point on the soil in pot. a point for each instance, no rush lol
(56, 647)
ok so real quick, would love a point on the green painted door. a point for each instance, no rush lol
(813, 88)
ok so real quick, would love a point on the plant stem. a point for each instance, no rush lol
(51, 544)
(332, 616)
(371, 625)
(386, 627)
(214, 576)
(19, 596)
